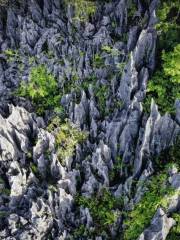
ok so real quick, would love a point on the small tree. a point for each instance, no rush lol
(42, 89)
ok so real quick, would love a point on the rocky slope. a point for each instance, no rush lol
(37, 191)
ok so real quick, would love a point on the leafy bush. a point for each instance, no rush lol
(98, 61)
(83, 8)
(131, 8)
(110, 50)
(42, 89)
(34, 169)
(101, 209)
(175, 231)
(67, 136)
(116, 168)
(168, 26)
(155, 196)
(81, 231)
(12, 55)
(101, 94)
(164, 86)
(139, 218)
(170, 155)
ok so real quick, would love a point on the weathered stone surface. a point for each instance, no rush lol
(37, 191)
(159, 228)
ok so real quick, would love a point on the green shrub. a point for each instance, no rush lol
(3, 214)
(12, 55)
(120, 67)
(131, 8)
(42, 89)
(175, 231)
(101, 93)
(34, 169)
(170, 155)
(110, 50)
(83, 9)
(168, 26)
(87, 81)
(81, 231)
(164, 86)
(101, 209)
(98, 61)
(116, 168)
(5, 191)
(157, 194)
(67, 136)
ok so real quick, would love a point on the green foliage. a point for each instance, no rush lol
(110, 50)
(81, 231)
(11, 54)
(101, 93)
(116, 168)
(54, 124)
(168, 26)
(101, 208)
(34, 169)
(175, 231)
(49, 54)
(5, 191)
(1, 181)
(157, 194)
(87, 81)
(170, 155)
(3, 214)
(171, 65)
(164, 86)
(131, 10)
(67, 136)
(42, 89)
(83, 9)
(98, 61)
(121, 66)
(118, 103)
(52, 188)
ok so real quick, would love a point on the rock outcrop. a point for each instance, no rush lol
(37, 191)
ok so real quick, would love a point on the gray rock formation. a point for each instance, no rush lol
(159, 228)
(37, 191)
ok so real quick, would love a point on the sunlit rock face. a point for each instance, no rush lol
(37, 191)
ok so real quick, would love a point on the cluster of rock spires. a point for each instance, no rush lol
(40, 204)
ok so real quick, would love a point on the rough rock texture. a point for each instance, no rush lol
(159, 227)
(40, 191)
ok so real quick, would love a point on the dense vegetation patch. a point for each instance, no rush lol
(168, 27)
(170, 155)
(82, 8)
(102, 209)
(157, 194)
(42, 89)
(67, 136)
(164, 86)
(175, 231)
